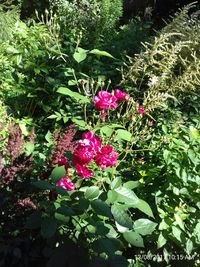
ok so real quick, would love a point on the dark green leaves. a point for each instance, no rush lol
(121, 216)
(76, 96)
(101, 208)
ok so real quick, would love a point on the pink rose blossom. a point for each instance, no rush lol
(82, 155)
(91, 140)
(106, 157)
(66, 183)
(83, 171)
(120, 95)
(140, 110)
(104, 100)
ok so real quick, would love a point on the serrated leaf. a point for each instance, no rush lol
(121, 216)
(144, 207)
(126, 196)
(92, 192)
(134, 239)
(144, 226)
(101, 208)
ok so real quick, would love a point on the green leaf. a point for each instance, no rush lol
(121, 216)
(112, 196)
(161, 241)
(116, 183)
(76, 96)
(101, 208)
(144, 207)
(126, 196)
(189, 246)
(101, 53)
(179, 221)
(144, 226)
(80, 123)
(194, 133)
(177, 233)
(131, 184)
(106, 130)
(48, 137)
(58, 173)
(92, 192)
(43, 185)
(48, 227)
(61, 218)
(80, 54)
(29, 148)
(134, 239)
(123, 134)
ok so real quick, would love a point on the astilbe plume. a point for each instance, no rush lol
(14, 143)
(9, 173)
(26, 203)
(62, 144)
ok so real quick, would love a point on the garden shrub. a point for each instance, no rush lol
(112, 177)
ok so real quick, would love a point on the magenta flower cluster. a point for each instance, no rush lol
(105, 100)
(89, 148)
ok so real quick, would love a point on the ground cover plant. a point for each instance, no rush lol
(99, 146)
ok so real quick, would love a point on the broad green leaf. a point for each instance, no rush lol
(176, 232)
(194, 133)
(123, 134)
(131, 184)
(101, 208)
(179, 221)
(189, 246)
(29, 148)
(121, 216)
(161, 241)
(76, 96)
(120, 228)
(127, 196)
(80, 54)
(61, 218)
(48, 227)
(144, 226)
(144, 207)
(43, 185)
(100, 53)
(58, 173)
(116, 183)
(134, 239)
(106, 130)
(48, 137)
(112, 196)
(92, 192)
(80, 123)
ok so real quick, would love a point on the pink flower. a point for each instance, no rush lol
(63, 162)
(104, 100)
(91, 140)
(82, 155)
(120, 95)
(140, 110)
(106, 157)
(66, 183)
(83, 171)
